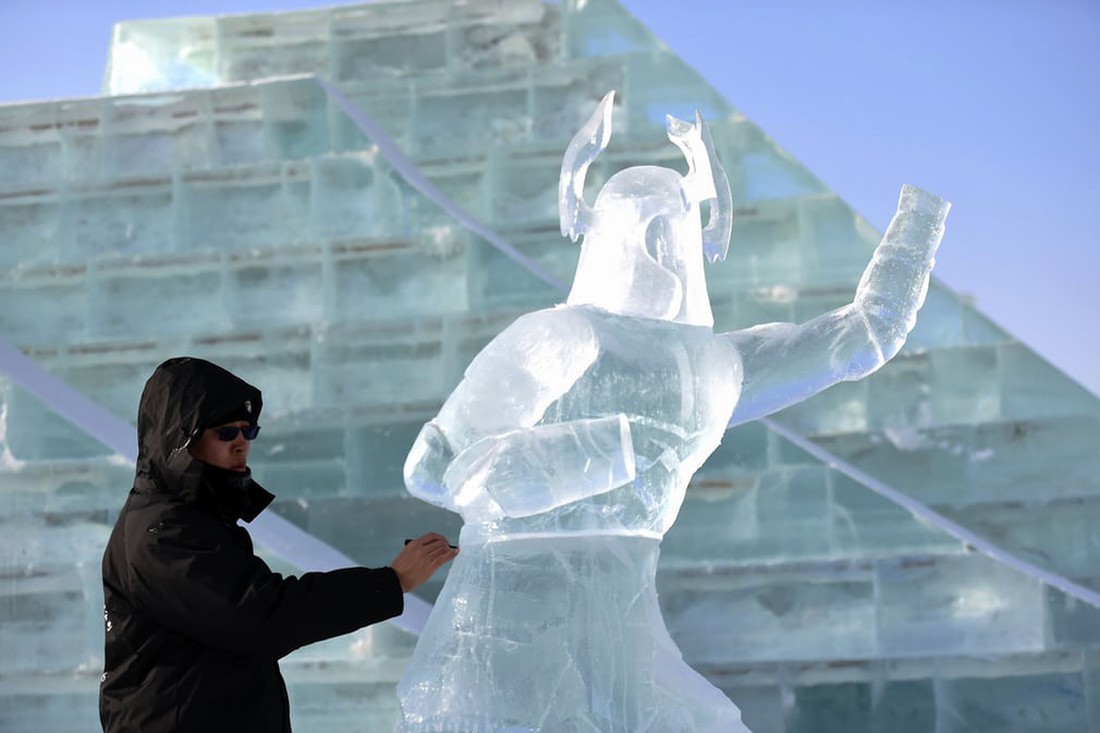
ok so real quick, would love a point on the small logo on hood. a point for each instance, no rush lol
(248, 406)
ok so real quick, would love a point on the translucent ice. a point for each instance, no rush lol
(569, 444)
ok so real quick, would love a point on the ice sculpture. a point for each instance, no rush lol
(569, 444)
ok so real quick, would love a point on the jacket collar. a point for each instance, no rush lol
(259, 499)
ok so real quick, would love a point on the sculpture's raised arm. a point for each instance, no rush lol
(785, 363)
(487, 455)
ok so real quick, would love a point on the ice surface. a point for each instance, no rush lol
(568, 447)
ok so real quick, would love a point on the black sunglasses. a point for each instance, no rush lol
(229, 432)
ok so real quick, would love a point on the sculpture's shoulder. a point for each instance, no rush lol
(564, 319)
(553, 338)
(538, 329)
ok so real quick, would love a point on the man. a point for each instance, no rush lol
(195, 622)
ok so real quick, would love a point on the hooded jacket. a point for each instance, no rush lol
(195, 621)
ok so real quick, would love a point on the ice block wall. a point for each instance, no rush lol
(245, 219)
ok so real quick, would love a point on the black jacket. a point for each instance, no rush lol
(195, 622)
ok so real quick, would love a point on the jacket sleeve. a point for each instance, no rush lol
(189, 573)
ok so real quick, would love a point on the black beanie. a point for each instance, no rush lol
(244, 411)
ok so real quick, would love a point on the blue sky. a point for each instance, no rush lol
(993, 104)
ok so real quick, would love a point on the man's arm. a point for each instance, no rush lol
(786, 363)
(194, 578)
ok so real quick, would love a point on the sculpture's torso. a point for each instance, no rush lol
(677, 386)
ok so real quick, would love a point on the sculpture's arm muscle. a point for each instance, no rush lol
(486, 454)
(785, 363)
(536, 469)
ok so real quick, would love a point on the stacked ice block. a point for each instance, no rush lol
(215, 201)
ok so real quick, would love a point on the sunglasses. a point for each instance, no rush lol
(229, 432)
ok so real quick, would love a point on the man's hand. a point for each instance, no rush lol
(421, 557)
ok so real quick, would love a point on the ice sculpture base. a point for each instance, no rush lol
(559, 634)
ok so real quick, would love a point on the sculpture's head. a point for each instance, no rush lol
(644, 240)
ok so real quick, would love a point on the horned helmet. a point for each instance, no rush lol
(644, 240)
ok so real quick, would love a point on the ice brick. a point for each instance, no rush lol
(962, 605)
